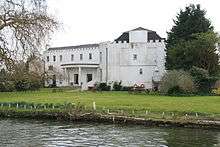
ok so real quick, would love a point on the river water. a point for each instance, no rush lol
(31, 133)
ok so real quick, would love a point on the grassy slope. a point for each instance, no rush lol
(121, 100)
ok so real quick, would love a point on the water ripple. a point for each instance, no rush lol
(19, 133)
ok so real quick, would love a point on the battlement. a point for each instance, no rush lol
(149, 41)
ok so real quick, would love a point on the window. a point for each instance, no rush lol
(132, 45)
(50, 67)
(90, 56)
(100, 56)
(100, 74)
(54, 58)
(61, 58)
(141, 71)
(89, 77)
(48, 58)
(81, 56)
(72, 57)
(134, 56)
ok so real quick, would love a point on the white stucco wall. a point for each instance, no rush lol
(122, 66)
(138, 36)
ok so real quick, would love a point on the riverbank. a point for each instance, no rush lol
(76, 116)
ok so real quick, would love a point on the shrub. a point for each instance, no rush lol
(203, 80)
(126, 88)
(103, 87)
(7, 86)
(35, 82)
(117, 86)
(22, 85)
(177, 82)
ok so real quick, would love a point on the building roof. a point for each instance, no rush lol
(74, 47)
(139, 29)
(152, 35)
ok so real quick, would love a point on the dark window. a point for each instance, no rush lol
(72, 57)
(50, 67)
(81, 56)
(89, 77)
(48, 58)
(90, 56)
(61, 58)
(100, 56)
(134, 56)
(100, 74)
(54, 81)
(141, 71)
(54, 58)
(76, 79)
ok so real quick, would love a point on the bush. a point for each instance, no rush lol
(117, 86)
(30, 81)
(103, 87)
(22, 85)
(35, 82)
(126, 88)
(177, 82)
(203, 80)
(7, 86)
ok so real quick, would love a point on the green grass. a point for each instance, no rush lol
(121, 100)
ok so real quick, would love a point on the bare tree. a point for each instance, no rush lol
(25, 27)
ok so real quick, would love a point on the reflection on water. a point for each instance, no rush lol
(19, 133)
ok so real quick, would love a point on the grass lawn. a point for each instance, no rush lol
(121, 100)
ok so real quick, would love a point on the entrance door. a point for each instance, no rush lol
(54, 84)
(76, 78)
(89, 77)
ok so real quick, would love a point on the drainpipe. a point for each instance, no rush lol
(106, 64)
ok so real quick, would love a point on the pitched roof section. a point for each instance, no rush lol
(123, 37)
(139, 29)
(74, 47)
(152, 35)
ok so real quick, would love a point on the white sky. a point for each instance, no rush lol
(94, 21)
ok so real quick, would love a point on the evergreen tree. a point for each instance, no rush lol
(191, 41)
(189, 21)
(199, 52)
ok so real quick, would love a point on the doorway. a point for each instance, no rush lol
(76, 78)
(54, 84)
(89, 77)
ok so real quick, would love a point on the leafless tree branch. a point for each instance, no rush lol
(25, 27)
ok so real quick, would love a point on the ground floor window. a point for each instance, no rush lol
(89, 77)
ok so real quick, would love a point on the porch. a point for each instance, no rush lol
(82, 75)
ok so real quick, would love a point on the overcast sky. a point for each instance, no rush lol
(94, 21)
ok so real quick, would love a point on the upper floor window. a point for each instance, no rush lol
(50, 67)
(141, 71)
(90, 56)
(72, 57)
(61, 58)
(132, 45)
(48, 58)
(54, 58)
(100, 56)
(81, 56)
(134, 56)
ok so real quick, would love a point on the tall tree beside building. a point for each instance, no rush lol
(24, 27)
(191, 41)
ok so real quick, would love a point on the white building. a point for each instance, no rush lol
(135, 57)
